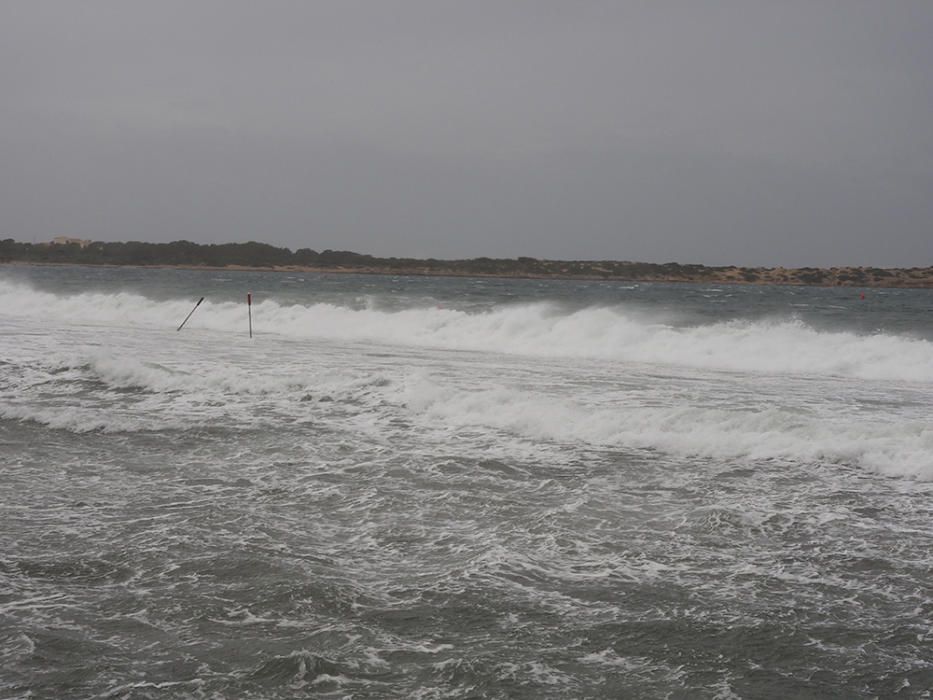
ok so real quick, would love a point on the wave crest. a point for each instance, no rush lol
(538, 329)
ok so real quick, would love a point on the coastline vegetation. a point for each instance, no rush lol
(262, 256)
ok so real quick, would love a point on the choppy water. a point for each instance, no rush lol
(456, 488)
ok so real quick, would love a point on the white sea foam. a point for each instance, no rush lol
(766, 433)
(121, 383)
(384, 485)
(540, 329)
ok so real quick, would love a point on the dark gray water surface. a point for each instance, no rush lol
(456, 488)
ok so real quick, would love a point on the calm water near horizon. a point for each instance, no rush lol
(423, 487)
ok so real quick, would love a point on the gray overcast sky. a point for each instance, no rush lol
(766, 133)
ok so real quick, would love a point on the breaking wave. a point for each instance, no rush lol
(539, 329)
(770, 432)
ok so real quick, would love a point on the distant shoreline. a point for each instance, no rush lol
(255, 256)
(896, 278)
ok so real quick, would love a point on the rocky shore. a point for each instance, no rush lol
(917, 277)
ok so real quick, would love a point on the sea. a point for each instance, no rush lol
(439, 487)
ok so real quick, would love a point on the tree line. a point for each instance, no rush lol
(254, 254)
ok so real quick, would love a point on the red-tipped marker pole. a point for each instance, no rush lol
(249, 306)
